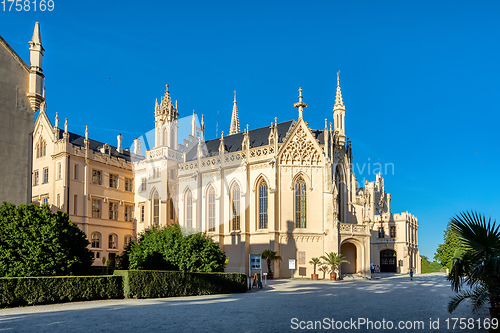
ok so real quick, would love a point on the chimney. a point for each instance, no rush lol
(119, 147)
(137, 147)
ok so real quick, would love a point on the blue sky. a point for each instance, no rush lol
(419, 81)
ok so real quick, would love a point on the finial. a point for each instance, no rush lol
(193, 112)
(326, 123)
(57, 120)
(276, 120)
(43, 93)
(222, 134)
(86, 132)
(300, 105)
(338, 78)
(234, 96)
(66, 125)
(176, 104)
(247, 128)
(330, 125)
(167, 88)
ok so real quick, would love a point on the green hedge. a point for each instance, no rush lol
(153, 284)
(17, 291)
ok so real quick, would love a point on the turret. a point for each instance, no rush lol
(35, 92)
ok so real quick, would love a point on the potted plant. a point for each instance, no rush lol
(334, 260)
(270, 256)
(314, 262)
(325, 269)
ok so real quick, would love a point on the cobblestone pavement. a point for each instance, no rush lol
(387, 297)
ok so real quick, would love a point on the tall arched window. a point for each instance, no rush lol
(300, 203)
(235, 207)
(211, 209)
(96, 240)
(165, 136)
(113, 241)
(188, 201)
(339, 182)
(156, 209)
(263, 197)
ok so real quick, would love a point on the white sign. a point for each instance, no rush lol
(291, 263)
(255, 261)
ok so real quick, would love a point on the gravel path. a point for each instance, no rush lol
(388, 297)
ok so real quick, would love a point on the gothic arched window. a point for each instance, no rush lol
(235, 207)
(211, 209)
(188, 201)
(339, 182)
(263, 204)
(156, 209)
(300, 203)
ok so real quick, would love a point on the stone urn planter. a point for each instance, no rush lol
(333, 276)
(314, 276)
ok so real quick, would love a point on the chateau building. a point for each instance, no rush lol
(20, 97)
(285, 187)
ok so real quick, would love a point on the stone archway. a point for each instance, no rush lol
(349, 250)
(388, 261)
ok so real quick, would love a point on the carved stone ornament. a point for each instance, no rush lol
(300, 150)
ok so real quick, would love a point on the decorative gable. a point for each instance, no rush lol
(301, 148)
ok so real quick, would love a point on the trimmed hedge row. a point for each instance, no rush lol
(155, 284)
(16, 291)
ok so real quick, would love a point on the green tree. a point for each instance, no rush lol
(167, 249)
(430, 267)
(479, 269)
(270, 256)
(446, 252)
(199, 253)
(315, 262)
(36, 242)
(334, 260)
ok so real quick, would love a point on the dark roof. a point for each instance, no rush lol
(258, 137)
(78, 140)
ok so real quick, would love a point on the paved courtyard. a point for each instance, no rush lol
(391, 298)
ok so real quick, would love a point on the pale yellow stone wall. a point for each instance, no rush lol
(16, 128)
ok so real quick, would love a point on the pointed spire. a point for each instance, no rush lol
(235, 122)
(36, 34)
(339, 103)
(193, 125)
(202, 125)
(222, 147)
(300, 105)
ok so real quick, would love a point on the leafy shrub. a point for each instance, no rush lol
(153, 284)
(167, 249)
(36, 242)
(15, 291)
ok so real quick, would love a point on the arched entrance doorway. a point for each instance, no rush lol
(388, 261)
(350, 254)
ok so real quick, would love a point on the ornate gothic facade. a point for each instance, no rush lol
(285, 187)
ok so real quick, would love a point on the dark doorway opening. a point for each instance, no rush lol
(388, 261)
